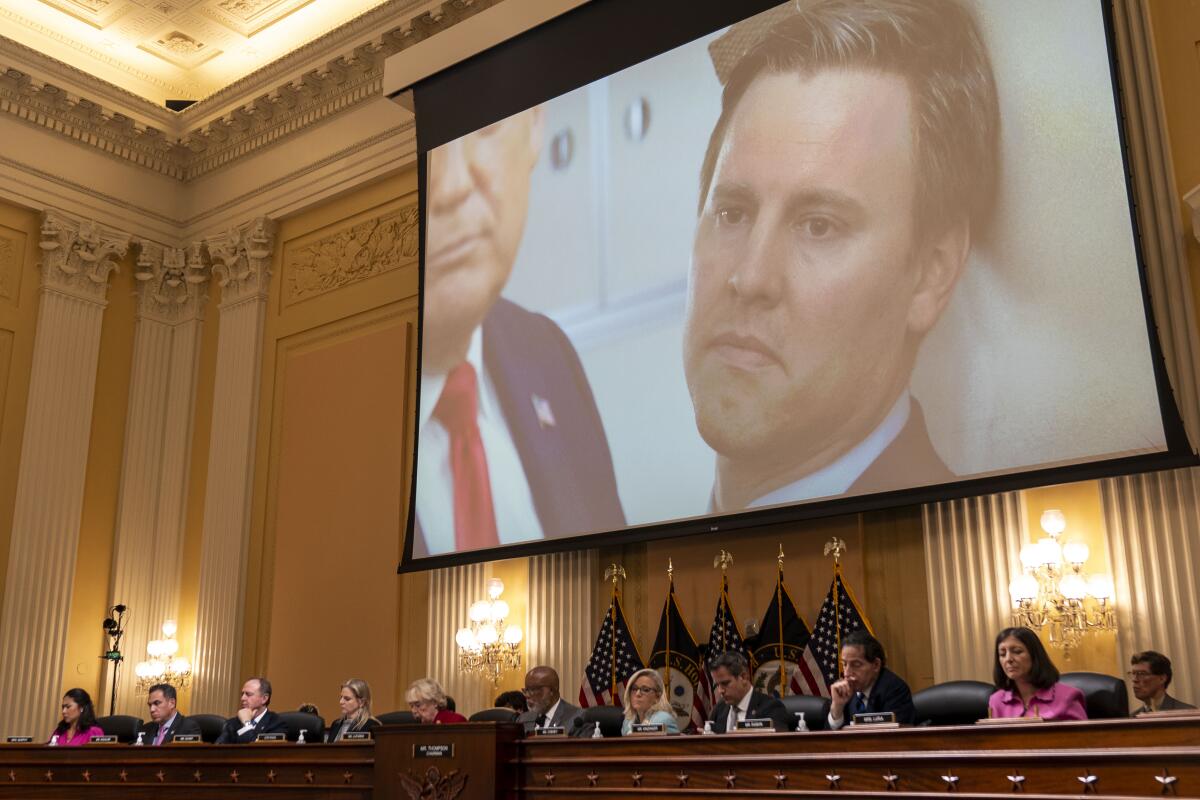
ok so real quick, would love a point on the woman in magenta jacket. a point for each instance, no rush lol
(78, 724)
(1027, 683)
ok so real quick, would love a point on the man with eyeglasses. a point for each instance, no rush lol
(867, 685)
(1151, 675)
(547, 709)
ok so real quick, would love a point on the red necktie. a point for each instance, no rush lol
(458, 409)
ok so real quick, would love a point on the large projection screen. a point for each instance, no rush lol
(837, 255)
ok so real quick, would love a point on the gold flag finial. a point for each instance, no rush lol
(613, 573)
(670, 570)
(723, 560)
(835, 546)
(779, 558)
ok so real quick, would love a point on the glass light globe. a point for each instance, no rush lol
(142, 670)
(1073, 587)
(488, 634)
(499, 611)
(169, 628)
(1075, 552)
(169, 647)
(479, 611)
(154, 648)
(495, 587)
(1023, 587)
(1030, 556)
(157, 669)
(464, 638)
(1054, 521)
(180, 665)
(1050, 552)
(512, 635)
(1100, 587)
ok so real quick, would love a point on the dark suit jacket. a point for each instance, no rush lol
(332, 732)
(270, 723)
(890, 693)
(568, 464)
(1168, 704)
(910, 457)
(761, 706)
(181, 725)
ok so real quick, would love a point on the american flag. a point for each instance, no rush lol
(597, 686)
(724, 637)
(785, 637)
(840, 614)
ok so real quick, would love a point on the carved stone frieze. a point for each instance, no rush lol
(10, 263)
(171, 282)
(350, 254)
(241, 261)
(79, 255)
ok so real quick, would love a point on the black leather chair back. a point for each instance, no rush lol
(1106, 696)
(494, 715)
(210, 726)
(609, 718)
(953, 703)
(296, 721)
(397, 718)
(814, 709)
(122, 726)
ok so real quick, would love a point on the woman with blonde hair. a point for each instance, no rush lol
(646, 702)
(355, 702)
(427, 701)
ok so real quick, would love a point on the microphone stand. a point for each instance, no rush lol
(114, 626)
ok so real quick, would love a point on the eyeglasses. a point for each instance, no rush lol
(644, 690)
(1138, 675)
(533, 689)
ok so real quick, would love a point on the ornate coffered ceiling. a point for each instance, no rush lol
(173, 49)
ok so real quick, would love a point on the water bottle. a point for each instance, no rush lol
(708, 730)
(596, 734)
(801, 724)
(54, 740)
(301, 739)
(139, 741)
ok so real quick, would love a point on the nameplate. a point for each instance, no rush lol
(875, 718)
(433, 750)
(19, 740)
(550, 730)
(355, 736)
(647, 729)
(755, 725)
(1007, 720)
(186, 738)
(271, 737)
(102, 740)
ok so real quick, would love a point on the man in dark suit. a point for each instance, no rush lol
(739, 701)
(165, 721)
(547, 709)
(254, 717)
(510, 444)
(868, 686)
(830, 239)
(1151, 675)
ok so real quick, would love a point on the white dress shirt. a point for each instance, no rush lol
(550, 712)
(512, 500)
(835, 724)
(737, 713)
(253, 721)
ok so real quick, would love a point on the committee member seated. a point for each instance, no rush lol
(427, 701)
(355, 703)
(867, 685)
(547, 709)
(513, 699)
(165, 720)
(78, 724)
(254, 717)
(738, 700)
(1151, 675)
(646, 702)
(1027, 683)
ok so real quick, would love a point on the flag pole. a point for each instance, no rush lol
(614, 572)
(670, 600)
(723, 560)
(779, 616)
(836, 546)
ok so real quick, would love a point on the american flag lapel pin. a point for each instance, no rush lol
(541, 408)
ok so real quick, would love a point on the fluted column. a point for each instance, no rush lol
(971, 547)
(451, 593)
(77, 258)
(151, 513)
(241, 264)
(560, 624)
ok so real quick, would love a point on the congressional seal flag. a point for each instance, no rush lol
(677, 657)
(615, 656)
(783, 662)
(840, 614)
(724, 636)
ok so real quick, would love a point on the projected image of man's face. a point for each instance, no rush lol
(806, 296)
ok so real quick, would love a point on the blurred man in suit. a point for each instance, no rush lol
(254, 717)
(852, 166)
(511, 447)
(1151, 675)
(739, 701)
(868, 686)
(165, 721)
(547, 709)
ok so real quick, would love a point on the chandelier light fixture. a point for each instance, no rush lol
(487, 647)
(164, 665)
(1055, 595)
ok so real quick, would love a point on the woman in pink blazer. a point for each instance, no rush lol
(1027, 683)
(78, 724)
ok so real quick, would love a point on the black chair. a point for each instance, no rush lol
(210, 726)
(397, 718)
(1106, 696)
(953, 703)
(814, 709)
(609, 718)
(450, 703)
(494, 715)
(296, 721)
(122, 726)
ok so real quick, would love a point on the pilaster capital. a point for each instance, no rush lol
(241, 261)
(79, 255)
(171, 282)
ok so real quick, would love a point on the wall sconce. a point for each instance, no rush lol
(487, 646)
(164, 665)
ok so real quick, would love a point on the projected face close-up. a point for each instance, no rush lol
(807, 293)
